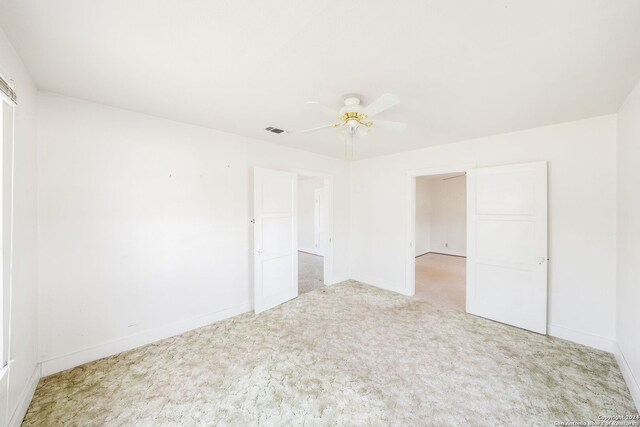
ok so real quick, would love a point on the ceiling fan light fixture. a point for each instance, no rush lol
(364, 131)
(354, 120)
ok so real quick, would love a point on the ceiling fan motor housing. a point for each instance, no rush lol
(352, 113)
(351, 105)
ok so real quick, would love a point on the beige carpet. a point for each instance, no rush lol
(349, 355)
(441, 279)
(310, 272)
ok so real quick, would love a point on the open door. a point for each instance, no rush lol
(275, 238)
(507, 244)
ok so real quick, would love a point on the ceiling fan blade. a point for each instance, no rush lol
(318, 128)
(385, 101)
(387, 125)
(323, 109)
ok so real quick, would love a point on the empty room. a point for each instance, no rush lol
(440, 226)
(364, 213)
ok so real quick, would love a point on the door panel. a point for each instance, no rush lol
(275, 272)
(277, 194)
(505, 193)
(275, 238)
(505, 240)
(507, 244)
(277, 235)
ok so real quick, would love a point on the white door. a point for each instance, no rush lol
(318, 223)
(507, 244)
(275, 238)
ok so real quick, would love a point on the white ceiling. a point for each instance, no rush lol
(462, 68)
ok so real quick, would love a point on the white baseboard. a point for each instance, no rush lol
(584, 338)
(337, 280)
(373, 282)
(25, 399)
(629, 378)
(68, 361)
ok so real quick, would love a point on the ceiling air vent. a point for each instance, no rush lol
(274, 130)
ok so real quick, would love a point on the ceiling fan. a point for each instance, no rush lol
(355, 120)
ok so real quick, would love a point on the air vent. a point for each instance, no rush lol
(274, 130)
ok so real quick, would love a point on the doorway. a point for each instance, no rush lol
(275, 235)
(311, 233)
(506, 235)
(441, 239)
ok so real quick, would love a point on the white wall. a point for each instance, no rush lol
(23, 371)
(307, 214)
(143, 226)
(582, 217)
(628, 240)
(449, 216)
(441, 215)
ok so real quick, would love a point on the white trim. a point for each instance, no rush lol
(6, 269)
(584, 338)
(409, 287)
(629, 378)
(318, 220)
(7, 328)
(68, 361)
(25, 400)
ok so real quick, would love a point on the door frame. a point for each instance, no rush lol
(328, 277)
(410, 257)
(318, 219)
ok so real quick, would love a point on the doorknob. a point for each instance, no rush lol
(541, 260)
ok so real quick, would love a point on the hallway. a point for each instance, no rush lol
(310, 272)
(441, 279)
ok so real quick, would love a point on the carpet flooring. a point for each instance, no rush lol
(348, 355)
(441, 279)
(310, 272)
